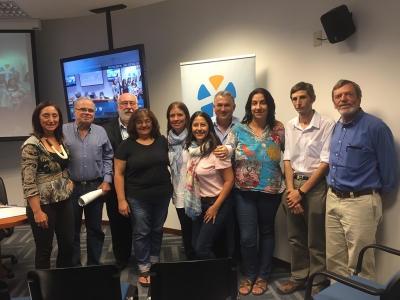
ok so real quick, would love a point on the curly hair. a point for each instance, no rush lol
(136, 115)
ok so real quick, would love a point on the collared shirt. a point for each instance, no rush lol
(222, 137)
(91, 157)
(124, 131)
(307, 148)
(363, 156)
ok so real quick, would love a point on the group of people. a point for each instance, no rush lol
(224, 177)
(130, 85)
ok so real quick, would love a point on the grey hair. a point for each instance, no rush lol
(225, 94)
(83, 98)
(119, 97)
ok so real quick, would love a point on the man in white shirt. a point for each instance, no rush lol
(306, 161)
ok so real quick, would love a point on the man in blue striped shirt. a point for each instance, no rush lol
(363, 168)
(90, 168)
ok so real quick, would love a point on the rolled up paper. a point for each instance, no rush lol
(89, 197)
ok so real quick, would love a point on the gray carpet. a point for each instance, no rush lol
(22, 245)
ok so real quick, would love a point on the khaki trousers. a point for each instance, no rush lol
(306, 233)
(351, 224)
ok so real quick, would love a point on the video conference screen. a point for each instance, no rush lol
(18, 95)
(103, 76)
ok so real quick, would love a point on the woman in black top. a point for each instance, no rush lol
(143, 186)
(47, 188)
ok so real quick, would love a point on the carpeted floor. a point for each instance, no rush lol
(22, 245)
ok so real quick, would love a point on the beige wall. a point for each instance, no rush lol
(278, 32)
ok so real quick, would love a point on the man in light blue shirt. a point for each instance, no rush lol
(363, 168)
(90, 169)
(224, 106)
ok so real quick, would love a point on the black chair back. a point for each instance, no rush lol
(214, 279)
(82, 283)
(392, 290)
(4, 293)
(3, 193)
(4, 200)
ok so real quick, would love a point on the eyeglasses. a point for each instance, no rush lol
(147, 122)
(125, 103)
(83, 109)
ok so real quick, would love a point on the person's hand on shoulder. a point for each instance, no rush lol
(221, 152)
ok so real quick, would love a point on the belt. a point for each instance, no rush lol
(88, 181)
(301, 177)
(352, 194)
(208, 199)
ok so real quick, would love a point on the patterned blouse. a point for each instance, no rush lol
(257, 159)
(41, 175)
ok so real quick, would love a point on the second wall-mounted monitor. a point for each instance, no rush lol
(103, 76)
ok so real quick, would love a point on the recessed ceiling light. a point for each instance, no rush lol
(9, 9)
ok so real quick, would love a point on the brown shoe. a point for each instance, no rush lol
(290, 287)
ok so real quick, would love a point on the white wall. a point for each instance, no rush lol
(278, 32)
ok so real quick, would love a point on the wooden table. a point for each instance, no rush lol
(8, 223)
(13, 221)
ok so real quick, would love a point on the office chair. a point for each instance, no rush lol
(81, 283)
(6, 232)
(355, 287)
(214, 279)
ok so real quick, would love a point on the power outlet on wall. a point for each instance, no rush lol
(317, 36)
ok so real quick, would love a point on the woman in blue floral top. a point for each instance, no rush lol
(257, 142)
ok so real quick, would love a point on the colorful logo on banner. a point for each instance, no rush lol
(204, 93)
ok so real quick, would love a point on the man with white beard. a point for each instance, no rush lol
(121, 227)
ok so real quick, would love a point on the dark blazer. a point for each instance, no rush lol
(114, 133)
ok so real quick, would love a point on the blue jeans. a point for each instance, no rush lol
(148, 218)
(93, 216)
(256, 209)
(205, 234)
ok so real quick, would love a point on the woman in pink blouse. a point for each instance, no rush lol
(209, 182)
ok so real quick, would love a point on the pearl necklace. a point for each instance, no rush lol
(63, 154)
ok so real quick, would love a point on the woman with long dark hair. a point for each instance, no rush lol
(208, 186)
(178, 127)
(47, 188)
(259, 184)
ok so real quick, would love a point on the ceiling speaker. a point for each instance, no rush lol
(338, 24)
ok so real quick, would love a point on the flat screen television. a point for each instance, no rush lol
(99, 76)
(18, 84)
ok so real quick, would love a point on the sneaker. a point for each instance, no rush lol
(290, 287)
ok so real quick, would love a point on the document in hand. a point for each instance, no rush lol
(89, 197)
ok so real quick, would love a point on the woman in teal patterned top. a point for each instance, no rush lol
(257, 142)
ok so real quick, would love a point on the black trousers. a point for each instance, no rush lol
(61, 222)
(186, 227)
(121, 228)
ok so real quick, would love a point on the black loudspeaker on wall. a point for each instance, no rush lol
(338, 24)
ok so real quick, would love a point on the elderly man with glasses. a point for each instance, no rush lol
(121, 227)
(90, 169)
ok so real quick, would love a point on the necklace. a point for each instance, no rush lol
(63, 154)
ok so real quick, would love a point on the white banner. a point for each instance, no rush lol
(202, 79)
